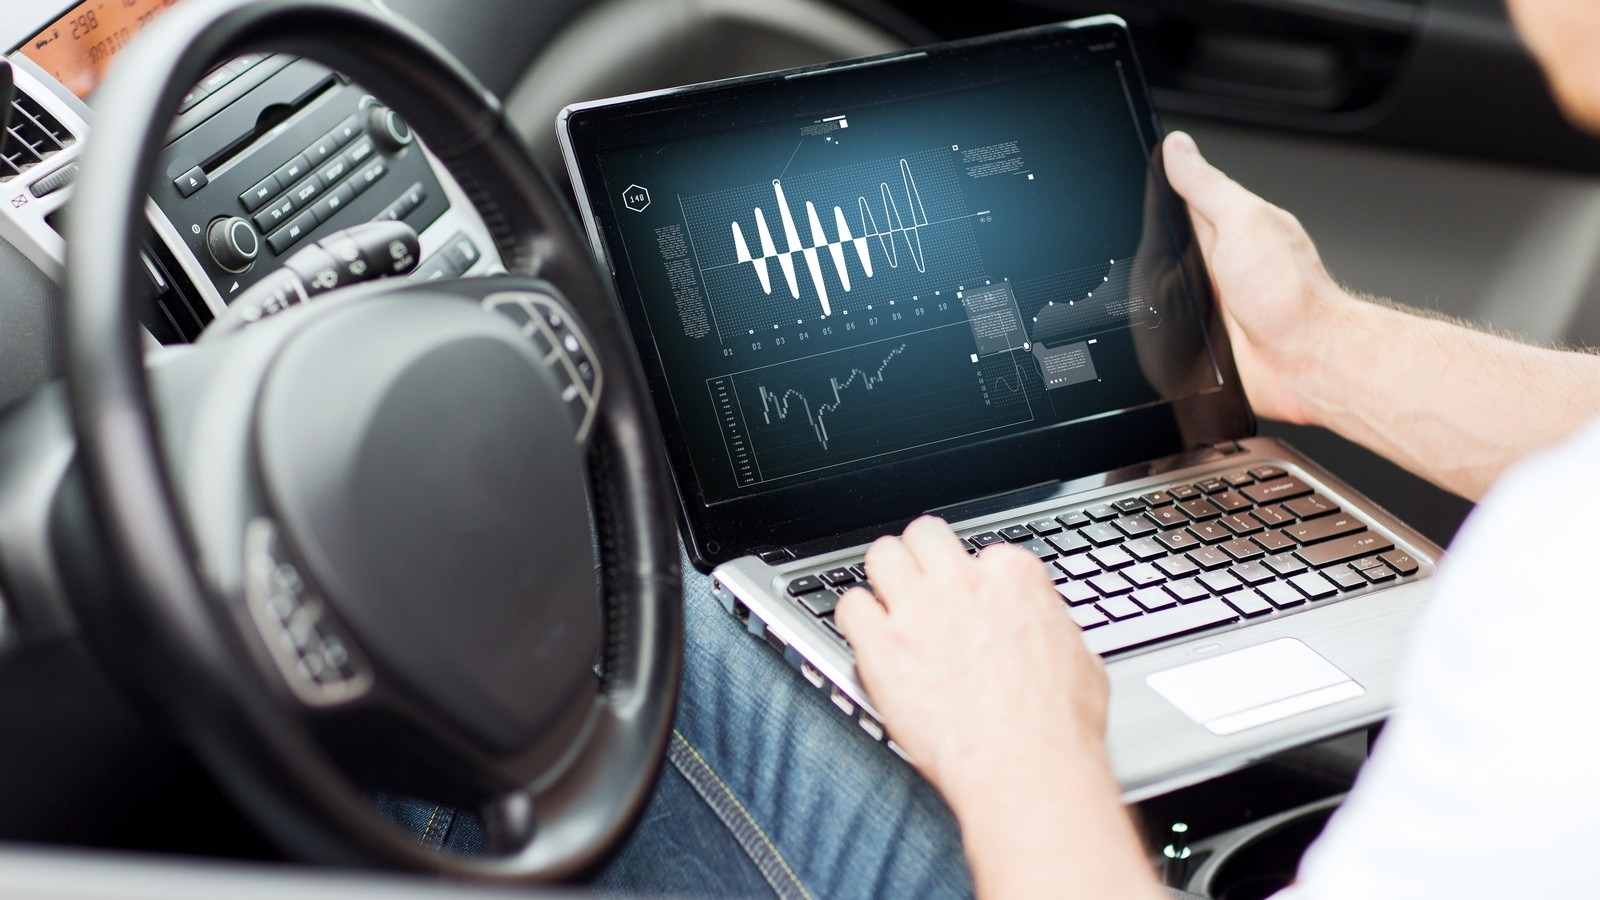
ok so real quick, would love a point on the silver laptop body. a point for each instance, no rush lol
(949, 354)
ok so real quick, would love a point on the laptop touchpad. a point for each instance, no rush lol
(1239, 690)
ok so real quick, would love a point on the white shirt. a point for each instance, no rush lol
(1486, 782)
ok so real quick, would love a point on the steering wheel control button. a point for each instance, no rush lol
(564, 349)
(310, 650)
(233, 244)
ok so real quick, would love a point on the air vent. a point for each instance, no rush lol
(30, 138)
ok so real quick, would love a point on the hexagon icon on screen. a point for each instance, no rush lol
(636, 198)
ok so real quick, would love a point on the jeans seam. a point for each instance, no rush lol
(427, 830)
(765, 854)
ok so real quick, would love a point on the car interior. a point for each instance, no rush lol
(181, 715)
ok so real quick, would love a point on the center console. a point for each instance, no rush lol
(268, 153)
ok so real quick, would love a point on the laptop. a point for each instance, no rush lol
(954, 280)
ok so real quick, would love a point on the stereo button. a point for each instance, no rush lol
(275, 215)
(293, 170)
(233, 243)
(190, 181)
(257, 196)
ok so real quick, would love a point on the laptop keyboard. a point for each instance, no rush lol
(1143, 568)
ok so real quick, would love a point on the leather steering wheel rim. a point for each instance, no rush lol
(165, 607)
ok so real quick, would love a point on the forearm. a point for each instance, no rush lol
(1052, 828)
(1450, 403)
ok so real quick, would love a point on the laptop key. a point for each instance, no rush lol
(1177, 566)
(1401, 562)
(1242, 550)
(1129, 505)
(1074, 519)
(1199, 509)
(1078, 566)
(1144, 549)
(1156, 498)
(1346, 578)
(1068, 543)
(1103, 533)
(1135, 526)
(820, 603)
(1367, 562)
(1282, 595)
(1209, 558)
(1043, 527)
(1179, 539)
(1267, 473)
(1220, 582)
(839, 576)
(1111, 557)
(1102, 512)
(1187, 590)
(1077, 593)
(1378, 574)
(804, 585)
(984, 539)
(1249, 604)
(1111, 584)
(1119, 608)
(1017, 533)
(1273, 541)
(1182, 492)
(860, 569)
(1271, 516)
(1238, 479)
(1344, 549)
(1210, 486)
(1168, 517)
(1313, 585)
(1210, 532)
(1158, 626)
(1231, 501)
(1154, 598)
(1253, 573)
(1087, 617)
(1285, 564)
(1040, 549)
(1143, 575)
(1240, 524)
(1276, 491)
(1312, 506)
(1325, 528)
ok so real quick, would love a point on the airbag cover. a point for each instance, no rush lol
(419, 454)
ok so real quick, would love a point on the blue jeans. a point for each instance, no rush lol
(767, 789)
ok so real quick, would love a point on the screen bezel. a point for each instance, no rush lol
(887, 495)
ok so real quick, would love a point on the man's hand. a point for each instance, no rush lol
(974, 663)
(1278, 302)
(981, 675)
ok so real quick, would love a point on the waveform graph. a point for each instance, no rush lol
(809, 246)
(843, 408)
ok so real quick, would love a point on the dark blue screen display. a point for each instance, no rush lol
(856, 288)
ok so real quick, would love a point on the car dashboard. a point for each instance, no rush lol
(267, 154)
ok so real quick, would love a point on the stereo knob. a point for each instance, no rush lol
(388, 129)
(233, 243)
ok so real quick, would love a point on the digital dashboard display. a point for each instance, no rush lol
(875, 283)
(78, 47)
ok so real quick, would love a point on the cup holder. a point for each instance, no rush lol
(1258, 860)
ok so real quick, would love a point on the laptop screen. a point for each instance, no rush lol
(846, 271)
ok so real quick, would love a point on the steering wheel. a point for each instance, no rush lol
(349, 544)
